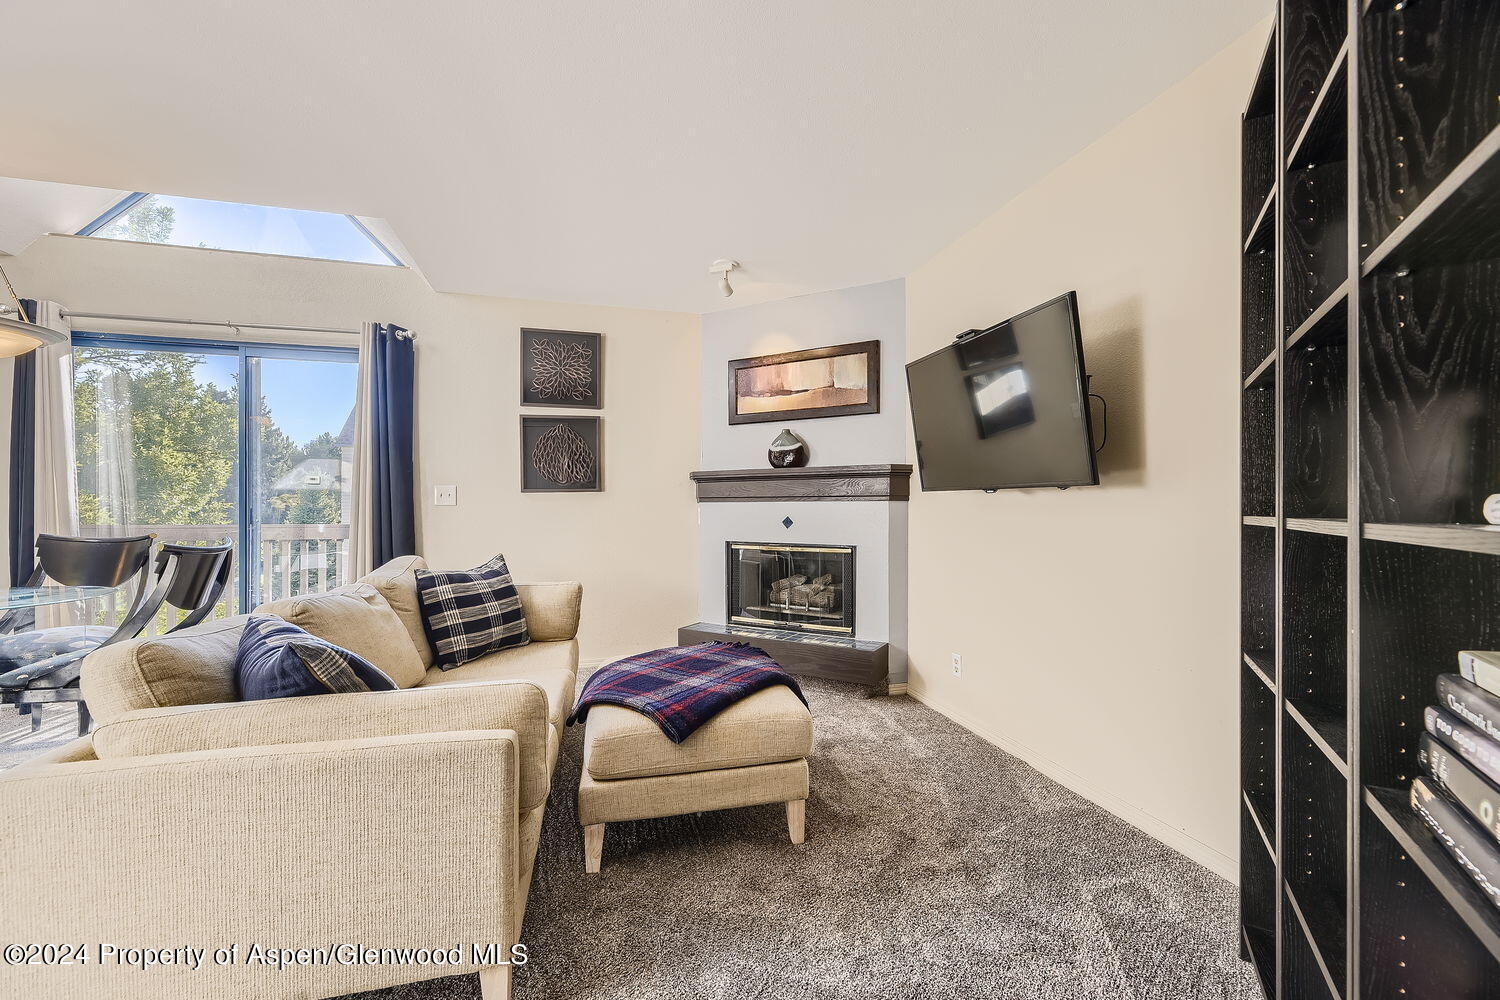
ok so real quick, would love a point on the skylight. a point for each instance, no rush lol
(227, 225)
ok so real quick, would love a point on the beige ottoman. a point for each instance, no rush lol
(750, 754)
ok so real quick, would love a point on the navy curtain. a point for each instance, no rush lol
(23, 462)
(392, 501)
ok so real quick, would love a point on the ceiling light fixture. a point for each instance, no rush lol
(722, 267)
(19, 337)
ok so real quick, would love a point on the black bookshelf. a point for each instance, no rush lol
(1370, 436)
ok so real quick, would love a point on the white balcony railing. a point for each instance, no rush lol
(291, 560)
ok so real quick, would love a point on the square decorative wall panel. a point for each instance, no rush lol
(560, 368)
(561, 455)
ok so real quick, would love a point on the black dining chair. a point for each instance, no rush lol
(190, 578)
(83, 562)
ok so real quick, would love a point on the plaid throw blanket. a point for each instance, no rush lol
(682, 687)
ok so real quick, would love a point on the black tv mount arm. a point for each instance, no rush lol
(1088, 381)
(969, 335)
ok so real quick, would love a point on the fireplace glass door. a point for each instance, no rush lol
(791, 586)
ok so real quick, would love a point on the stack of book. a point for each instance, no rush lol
(1458, 795)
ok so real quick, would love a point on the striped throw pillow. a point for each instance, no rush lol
(277, 659)
(470, 613)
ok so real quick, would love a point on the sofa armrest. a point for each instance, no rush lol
(552, 609)
(74, 750)
(395, 842)
(520, 706)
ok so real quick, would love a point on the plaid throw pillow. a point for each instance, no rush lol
(276, 659)
(468, 614)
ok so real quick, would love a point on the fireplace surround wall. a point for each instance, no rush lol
(874, 526)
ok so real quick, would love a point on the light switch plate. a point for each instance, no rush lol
(445, 496)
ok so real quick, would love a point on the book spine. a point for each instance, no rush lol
(1469, 743)
(1478, 796)
(1479, 858)
(1480, 668)
(1471, 703)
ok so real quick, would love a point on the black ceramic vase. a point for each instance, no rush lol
(788, 451)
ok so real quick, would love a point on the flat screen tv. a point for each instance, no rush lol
(1006, 407)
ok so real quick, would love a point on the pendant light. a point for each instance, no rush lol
(18, 336)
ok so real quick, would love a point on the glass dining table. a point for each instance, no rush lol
(20, 598)
(18, 631)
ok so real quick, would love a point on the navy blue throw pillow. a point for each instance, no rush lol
(471, 612)
(276, 659)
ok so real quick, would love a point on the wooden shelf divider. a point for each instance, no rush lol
(1261, 369)
(1260, 827)
(1266, 680)
(1325, 727)
(1391, 808)
(1338, 298)
(1450, 206)
(1318, 525)
(1261, 230)
(1312, 943)
(1481, 538)
(1330, 93)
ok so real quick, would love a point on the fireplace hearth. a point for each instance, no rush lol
(794, 587)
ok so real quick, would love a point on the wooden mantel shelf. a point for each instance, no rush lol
(829, 482)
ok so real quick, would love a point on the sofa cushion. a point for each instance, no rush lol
(191, 667)
(549, 665)
(397, 583)
(551, 609)
(468, 613)
(358, 619)
(769, 726)
(276, 659)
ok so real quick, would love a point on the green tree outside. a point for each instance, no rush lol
(145, 222)
(157, 445)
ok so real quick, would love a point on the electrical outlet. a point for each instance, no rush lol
(445, 496)
(958, 665)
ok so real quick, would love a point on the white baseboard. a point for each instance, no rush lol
(1179, 840)
(896, 689)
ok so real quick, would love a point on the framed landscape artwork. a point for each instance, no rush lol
(562, 368)
(561, 455)
(823, 382)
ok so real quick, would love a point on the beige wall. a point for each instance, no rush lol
(1098, 626)
(467, 408)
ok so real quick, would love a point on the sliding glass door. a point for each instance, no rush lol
(301, 460)
(202, 442)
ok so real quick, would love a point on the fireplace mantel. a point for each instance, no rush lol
(829, 482)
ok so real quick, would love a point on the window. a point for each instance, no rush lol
(226, 225)
(203, 442)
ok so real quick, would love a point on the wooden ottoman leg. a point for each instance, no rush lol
(494, 983)
(796, 819)
(593, 847)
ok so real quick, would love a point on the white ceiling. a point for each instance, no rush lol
(600, 151)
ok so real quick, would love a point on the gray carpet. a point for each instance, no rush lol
(936, 865)
(18, 743)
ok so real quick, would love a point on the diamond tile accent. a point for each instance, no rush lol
(786, 522)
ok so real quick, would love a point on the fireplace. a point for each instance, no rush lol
(803, 587)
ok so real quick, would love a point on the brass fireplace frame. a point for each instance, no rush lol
(731, 588)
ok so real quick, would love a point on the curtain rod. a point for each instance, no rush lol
(196, 322)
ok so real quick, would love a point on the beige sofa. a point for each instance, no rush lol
(383, 820)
